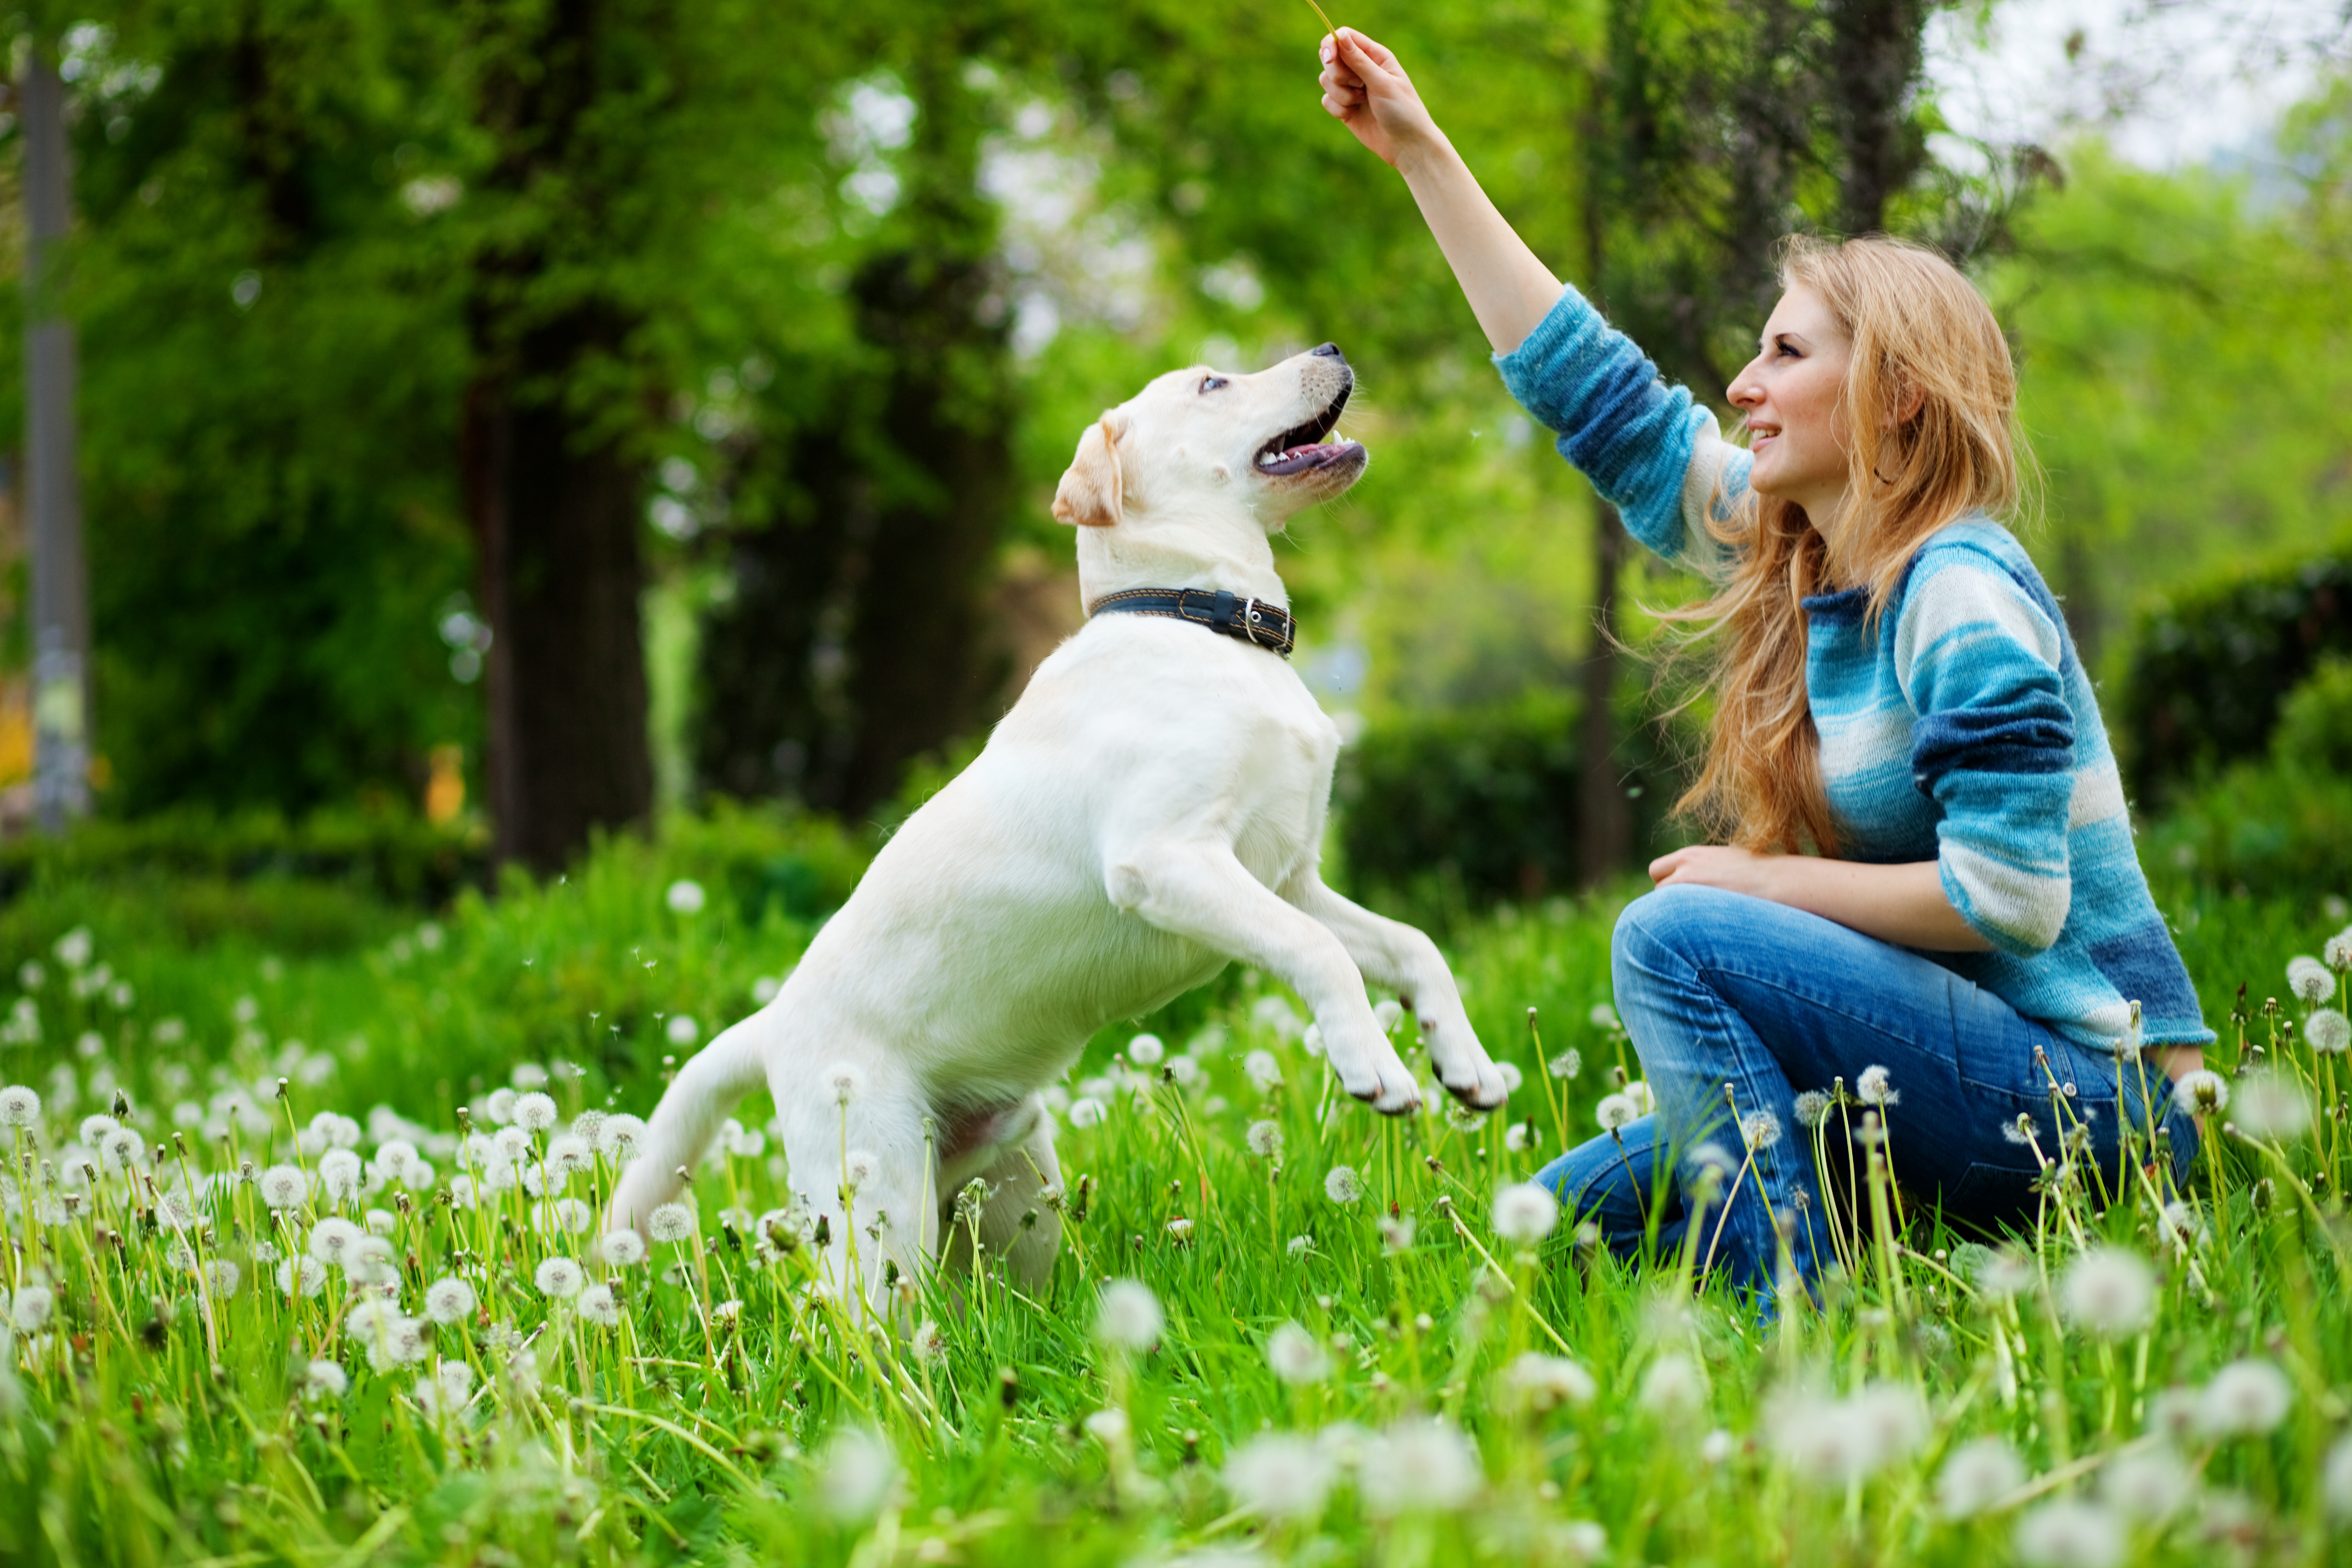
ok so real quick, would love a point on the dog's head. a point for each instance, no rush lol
(1203, 440)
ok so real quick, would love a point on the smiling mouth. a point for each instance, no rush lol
(1302, 449)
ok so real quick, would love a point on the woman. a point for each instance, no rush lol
(1897, 694)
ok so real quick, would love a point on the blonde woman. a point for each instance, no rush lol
(1925, 890)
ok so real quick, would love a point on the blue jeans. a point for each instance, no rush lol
(1718, 988)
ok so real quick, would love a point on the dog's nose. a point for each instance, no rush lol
(1330, 350)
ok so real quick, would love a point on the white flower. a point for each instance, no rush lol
(2336, 1480)
(1644, 1099)
(2150, 1484)
(1342, 1185)
(333, 1238)
(1838, 1442)
(2182, 1227)
(560, 1277)
(1262, 1070)
(1875, 1087)
(340, 1172)
(569, 1153)
(2271, 1106)
(1295, 1356)
(368, 1261)
(1567, 1064)
(535, 1111)
(450, 1299)
(1525, 1213)
(301, 1275)
(19, 1106)
(1108, 1427)
(859, 1169)
(567, 1216)
(1542, 1382)
(1266, 1140)
(622, 1249)
(928, 1342)
(2329, 1032)
(1396, 1232)
(846, 1080)
(1420, 1464)
(2203, 1092)
(599, 1306)
(1128, 1315)
(1813, 1108)
(1278, 1475)
(1087, 1111)
(222, 1277)
(1674, 1386)
(124, 1150)
(858, 1472)
(1616, 1110)
(2309, 980)
(1760, 1129)
(683, 1030)
(2109, 1293)
(29, 1309)
(325, 1380)
(1146, 1051)
(73, 948)
(620, 1138)
(2245, 1398)
(2067, 1534)
(95, 1127)
(1978, 1475)
(380, 1222)
(670, 1222)
(685, 897)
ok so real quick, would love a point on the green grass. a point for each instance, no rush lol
(156, 1415)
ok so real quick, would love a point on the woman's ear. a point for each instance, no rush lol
(1909, 398)
(1092, 493)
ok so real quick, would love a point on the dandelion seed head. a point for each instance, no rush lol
(559, 1277)
(301, 1275)
(1512, 1077)
(1525, 1213)
(2271, 1106)
(325, 1380)
(333, 1239)
(859, 1168)
(19, 1106)
(2309, 980)
(598, 1305)
(535, 1111)
(1341, 1184)
(450, 1299)
(1420, 1464)
(2245, 1398)
(1280, 1475)
(1565, 1065)
(2070, 1534)
(928, 1342)
(1396, 1233)
(123, 1150)
(1146, 1051)
(846, 1080)
(1875, 1087)
(1087, 1111)
(1295, 1357)
(2329, 1032)
(1813, 1108)
(1387, 1014)
(1616, 1111)
(1266, 1140)
(622, 1249)
(1128, 1315)
(670, 1222)
(2149, 1484)
(1978, 1474)
(2182, 1227)
(619, 1137)
(1644, 1098)
(1672, 1387)
(1760, 1129)
(685, 897)
(856, 1474)
(2108, 1292)
(1541, 1383)
(30, 1308)
(1260, 1068)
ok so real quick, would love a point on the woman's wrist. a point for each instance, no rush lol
(1427, 158)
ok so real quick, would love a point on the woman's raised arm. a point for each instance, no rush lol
(1508, 288)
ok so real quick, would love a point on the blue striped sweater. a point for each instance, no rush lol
(1961, 730)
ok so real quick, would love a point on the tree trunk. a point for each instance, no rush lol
(1874, 59)
(555, 520)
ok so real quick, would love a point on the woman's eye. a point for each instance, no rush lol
(1210, 382)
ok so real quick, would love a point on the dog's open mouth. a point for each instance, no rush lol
(1302, 449)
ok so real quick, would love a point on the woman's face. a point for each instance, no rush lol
(1790, 392)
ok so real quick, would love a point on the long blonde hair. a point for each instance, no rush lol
(1919, 331)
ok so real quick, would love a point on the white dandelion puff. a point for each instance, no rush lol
(857, 1473)
(1760, 1129)
(2271, 1106)
(622, 1249)
(685, 897)
(29, 1309)
(1540, 1382)
(301, 1275)
(598, 1305)
(1525, 1213)
(1567, 1064)
(2245, 1398)
(450, 1299)
(2329, 1032)
(1341, 1184)
(1295, 1357)
(2309, 980)
(333, 1238)
(2108, 1292)
(1644, 1098)
(928, 1342)
(2069, 1534)
(2336, 1480)
(670, 1222)
(1128, 1315)
(560, 1277)
(535, 1111)
(2202, 1093)
(1266, 1140)
(1087, 1111)
(683, 1030)
(2151, 1484)
(325, 1380)
(859, 1169)
(620, 1137)
(846, 1080)
(1278, 1475)
(1387, 1014)
(1420, 1464)
(340, 1173)
(19, 1106)
(1260, 1068)
(1875, 1087)
(1674, 1386)
(222, 1277)
(1146, 1051)
(1978, 1475)
(1616, 1111)
(1813, 1108)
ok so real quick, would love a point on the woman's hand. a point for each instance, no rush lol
(1903, 904)
(1366, 90)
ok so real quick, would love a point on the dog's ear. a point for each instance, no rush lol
(1092, 493)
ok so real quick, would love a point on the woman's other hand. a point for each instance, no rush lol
(1903, 904)
(1719, 866)
(1366, 90)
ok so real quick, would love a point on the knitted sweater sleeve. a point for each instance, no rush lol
(1650, 451)
(1978, 654)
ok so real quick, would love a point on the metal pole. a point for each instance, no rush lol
(52, 477)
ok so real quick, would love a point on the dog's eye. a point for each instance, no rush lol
(1210, 382)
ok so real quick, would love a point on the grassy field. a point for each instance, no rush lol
(295, 1316)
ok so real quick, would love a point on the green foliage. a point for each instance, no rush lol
(1437, 809)
(2210, 664)
(153, 1412)
(2315, 726)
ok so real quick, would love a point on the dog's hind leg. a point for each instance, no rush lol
(871, 1211)
(1019, 1220)
(705, 1089)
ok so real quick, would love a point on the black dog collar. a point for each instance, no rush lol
(1251, 621)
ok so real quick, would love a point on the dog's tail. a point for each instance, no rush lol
(705, 1089)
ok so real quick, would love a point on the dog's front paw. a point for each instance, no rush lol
(1462, 1063)
(1369, 1069)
